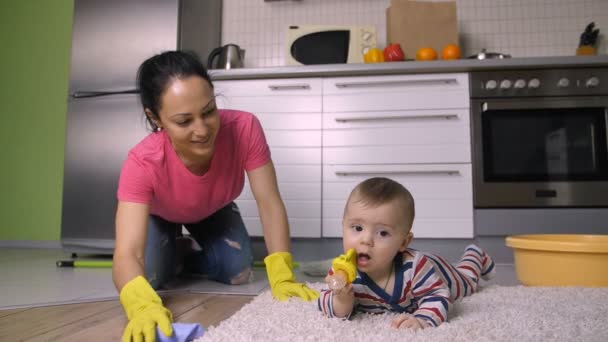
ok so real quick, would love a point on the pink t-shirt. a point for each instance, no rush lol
(154, 174)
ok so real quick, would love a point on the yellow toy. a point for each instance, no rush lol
(345, 270)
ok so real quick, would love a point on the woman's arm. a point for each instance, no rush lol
(143, 306)
(131, 235)
(272, 211)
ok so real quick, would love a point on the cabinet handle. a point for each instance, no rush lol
(396, 117)
(86, 94)
(289, 87)
(439, 81)
(399, 172)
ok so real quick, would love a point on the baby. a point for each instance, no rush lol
(390, 277)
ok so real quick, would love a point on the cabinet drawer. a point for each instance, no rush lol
(277, 138)
(270, 87)
(295, 156)
(309, 191)
(303, 204)
(298, 227)
(433, 181)
(395, 92)
(422, 228)
(295, 174)
(295, 208)
(420, 119)
(373, 130)
(270, 95)
(398, 154)
(271, 104)
(425, 209)
(289, 121)
(298, 173)
(443, 194)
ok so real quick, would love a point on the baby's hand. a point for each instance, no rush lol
(344, 294)
(343, 300)
(404, 321)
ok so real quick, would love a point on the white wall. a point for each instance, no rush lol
(522, 28)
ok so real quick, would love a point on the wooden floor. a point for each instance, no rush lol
(105, 321)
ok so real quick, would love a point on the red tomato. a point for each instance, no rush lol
(393, 53)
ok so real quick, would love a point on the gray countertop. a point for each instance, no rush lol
(394, 68)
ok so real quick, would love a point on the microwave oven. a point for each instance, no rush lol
(324, 44)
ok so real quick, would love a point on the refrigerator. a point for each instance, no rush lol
(110, 39)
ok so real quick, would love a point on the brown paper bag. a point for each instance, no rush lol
(417, 24)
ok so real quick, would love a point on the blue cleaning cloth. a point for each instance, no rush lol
(182, 332)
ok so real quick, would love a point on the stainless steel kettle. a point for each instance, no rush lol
(230, 56)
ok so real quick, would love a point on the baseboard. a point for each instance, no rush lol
(451, 249)
(37, 244)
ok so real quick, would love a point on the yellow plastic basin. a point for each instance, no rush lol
(561, 259)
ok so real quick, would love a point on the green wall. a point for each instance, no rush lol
(35, 38)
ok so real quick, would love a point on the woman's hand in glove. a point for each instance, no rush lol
(145, 311)
(279, 267)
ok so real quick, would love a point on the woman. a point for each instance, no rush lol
(189, 171)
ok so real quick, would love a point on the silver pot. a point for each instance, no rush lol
(489, 55)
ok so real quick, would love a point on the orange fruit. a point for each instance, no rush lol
(374, 55)
(426, 54)
(451, 51)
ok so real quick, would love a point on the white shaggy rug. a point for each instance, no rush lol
(495, 313)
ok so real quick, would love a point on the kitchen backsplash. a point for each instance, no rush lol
(522, 28)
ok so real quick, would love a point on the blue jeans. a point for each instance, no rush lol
(226, 248)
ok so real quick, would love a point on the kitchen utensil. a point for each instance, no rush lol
(588, 40)
(589, 36)
(489, 55)
(229, 56)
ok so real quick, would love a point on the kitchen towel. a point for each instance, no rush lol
(182, 332)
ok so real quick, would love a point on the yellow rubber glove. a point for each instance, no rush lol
(279, 267)
(347, 263)
(145, 310)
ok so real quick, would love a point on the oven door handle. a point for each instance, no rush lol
(530, 103)
(496, 105)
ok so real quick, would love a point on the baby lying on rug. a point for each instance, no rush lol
(383, 274)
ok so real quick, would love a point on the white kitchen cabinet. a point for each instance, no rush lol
(395, 92)
(328, 134)
(411, 128)
(406, 136)
(442, 194)
(290, 113)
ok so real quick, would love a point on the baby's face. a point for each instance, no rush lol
(376, 233)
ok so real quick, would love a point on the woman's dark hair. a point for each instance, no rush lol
(157, 72)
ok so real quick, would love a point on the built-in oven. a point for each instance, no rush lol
(540, 150)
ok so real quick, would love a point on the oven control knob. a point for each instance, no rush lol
(534, 83)
(491, 84)
(505, 84)
(563, 83)
(367, 36)
(592, 82)
(519, 84)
